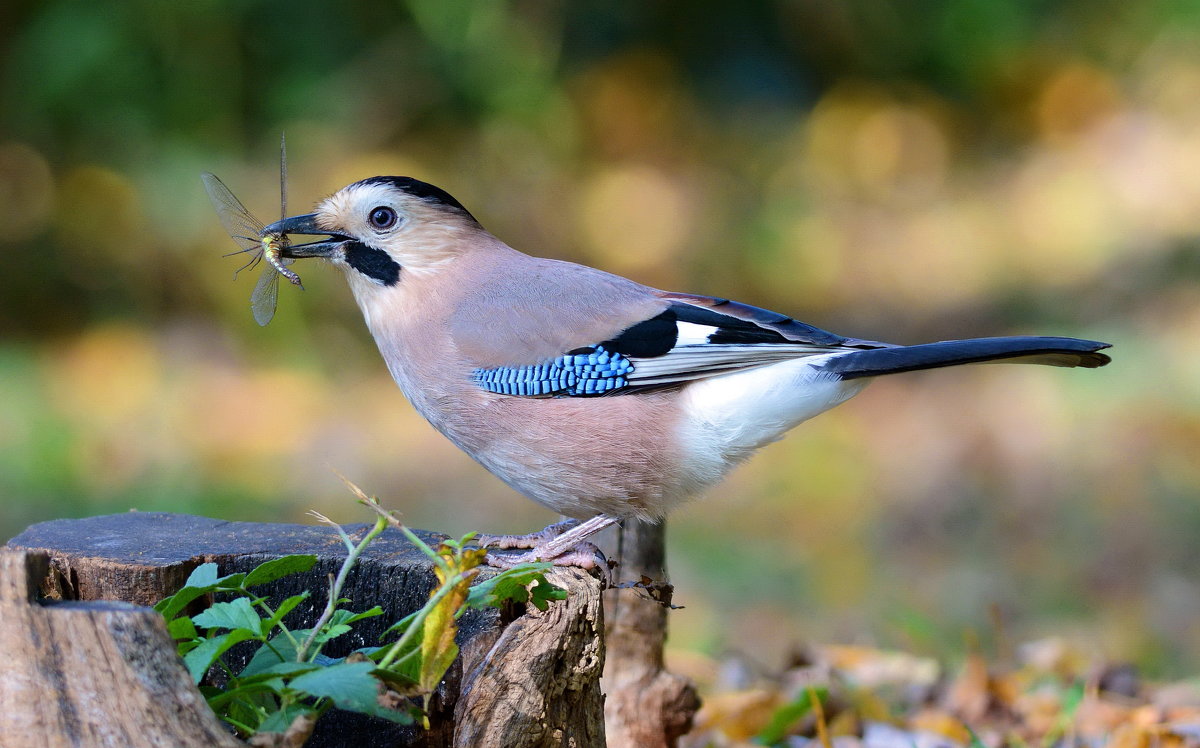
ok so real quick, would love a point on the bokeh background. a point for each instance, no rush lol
(909, 171)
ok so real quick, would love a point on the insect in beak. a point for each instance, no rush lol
(261, 242)
(306, 225)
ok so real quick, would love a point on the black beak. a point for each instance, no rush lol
(306, 224)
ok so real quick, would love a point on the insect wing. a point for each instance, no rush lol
(243, 227)
(247, 231)
(265, 296)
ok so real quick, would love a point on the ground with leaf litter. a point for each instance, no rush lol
(845, 697)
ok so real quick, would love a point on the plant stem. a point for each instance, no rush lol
(261, 602)
(335, 589)
(372, 503)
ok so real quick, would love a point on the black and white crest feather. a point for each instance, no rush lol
(423, 190)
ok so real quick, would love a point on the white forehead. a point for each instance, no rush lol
(361, 197)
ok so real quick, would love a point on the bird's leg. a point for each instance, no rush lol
(532, 540)
(562, 548)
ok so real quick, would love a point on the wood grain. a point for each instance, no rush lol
(92, 674)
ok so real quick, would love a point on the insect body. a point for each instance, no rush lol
(247, 231)
(272, 245)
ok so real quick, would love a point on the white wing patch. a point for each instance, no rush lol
(690, 333)
(696, 361)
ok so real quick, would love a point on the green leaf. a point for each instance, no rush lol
(278, 568)
(173, 605)
(279, 649)
(788, 715)
(345, 616)
(509, 584)
(200, 659)
(202, 581)
(399, 627)
(204, 575)
(404, 657)
(281, 720)
(347, 684)
(543, 592)
(292, 668)
(244, 713)
(350, 686)
(403, 677)
(230, 582)
(280, 669)
(258, 692)
(328, 631)
(1073, 698)
(182, 628)
(284, 608)
(235, 614)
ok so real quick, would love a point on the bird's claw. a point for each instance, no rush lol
(581, 556)
(532, 540)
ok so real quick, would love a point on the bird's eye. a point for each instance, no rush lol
(383, 217)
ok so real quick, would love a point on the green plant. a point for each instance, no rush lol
(785, 717)
(287, 682)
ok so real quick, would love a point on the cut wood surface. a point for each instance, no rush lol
(92, 674)
(532, 676)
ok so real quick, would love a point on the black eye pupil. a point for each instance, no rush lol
(383, 218)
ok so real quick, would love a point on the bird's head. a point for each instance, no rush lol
(380, 228)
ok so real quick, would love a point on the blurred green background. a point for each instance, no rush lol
(907, 171)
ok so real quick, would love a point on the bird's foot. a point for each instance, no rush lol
(532, 540)
(584, 555)
(561, 544)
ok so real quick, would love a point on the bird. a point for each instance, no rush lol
(595, 396)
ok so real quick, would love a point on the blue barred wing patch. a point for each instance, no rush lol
(587, 371)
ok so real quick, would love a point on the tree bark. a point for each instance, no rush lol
(648, 707)
(516, 696)
(92, 674)
(513, 663)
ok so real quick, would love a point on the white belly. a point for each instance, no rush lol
(727, 418)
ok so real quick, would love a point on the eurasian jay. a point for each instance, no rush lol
(593, 395)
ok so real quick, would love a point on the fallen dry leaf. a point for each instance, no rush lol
(1054, 698)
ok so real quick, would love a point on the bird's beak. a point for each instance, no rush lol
(306, 224)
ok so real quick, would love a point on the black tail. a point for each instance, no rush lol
(1018, 350)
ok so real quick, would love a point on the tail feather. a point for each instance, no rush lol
(1020, 350)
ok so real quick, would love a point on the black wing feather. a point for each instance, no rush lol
(653, 337)
(1039, 350)
(742, 323)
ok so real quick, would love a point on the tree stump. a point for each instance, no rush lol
(530, 678)
(92, 674)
